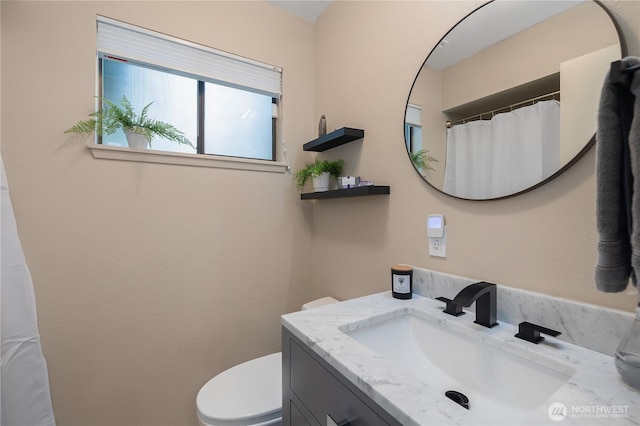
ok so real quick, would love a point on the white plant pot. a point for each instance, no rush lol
(321, 183)
(136, 140)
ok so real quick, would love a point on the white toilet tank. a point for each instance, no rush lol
(248, 394)
(319, 302)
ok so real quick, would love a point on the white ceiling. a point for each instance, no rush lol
(308, 9)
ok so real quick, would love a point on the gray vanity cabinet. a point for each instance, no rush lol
(314, 393)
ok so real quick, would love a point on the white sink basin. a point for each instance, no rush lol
(495, 380)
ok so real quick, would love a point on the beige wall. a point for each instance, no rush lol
(580, 85)
(543, 241)
(149, 278)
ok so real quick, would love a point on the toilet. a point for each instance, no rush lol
(248, 394)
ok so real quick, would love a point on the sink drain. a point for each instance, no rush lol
(458, 397)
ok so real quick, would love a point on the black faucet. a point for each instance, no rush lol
(531, 332)
(484, 294)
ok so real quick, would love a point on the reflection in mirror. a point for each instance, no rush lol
(508, 99)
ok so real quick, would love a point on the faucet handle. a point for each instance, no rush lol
(531, 332)
(452, 307)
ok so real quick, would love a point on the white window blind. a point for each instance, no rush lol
(124, 41)
(414, 115)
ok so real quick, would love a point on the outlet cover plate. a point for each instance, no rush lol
(438, 246)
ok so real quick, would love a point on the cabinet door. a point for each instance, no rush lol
(297, 418)
(316, 389)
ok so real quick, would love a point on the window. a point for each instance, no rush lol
(226, 105)
(175, 100)
(413, 128)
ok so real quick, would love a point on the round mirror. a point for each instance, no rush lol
(508, 98)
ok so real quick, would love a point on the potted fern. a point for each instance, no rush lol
(138, 128)
(319, 172)
(422, 160)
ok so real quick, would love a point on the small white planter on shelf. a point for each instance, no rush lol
(321, 183)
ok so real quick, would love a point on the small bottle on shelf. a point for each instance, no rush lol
(322, 126)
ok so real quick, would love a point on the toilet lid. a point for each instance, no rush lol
(251, 391)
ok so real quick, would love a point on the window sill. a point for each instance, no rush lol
(183, 159)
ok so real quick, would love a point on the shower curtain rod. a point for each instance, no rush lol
(533, 100)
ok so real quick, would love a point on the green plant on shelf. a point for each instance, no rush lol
(318, 167)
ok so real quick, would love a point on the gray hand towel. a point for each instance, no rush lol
(614, 225)
(634, 154)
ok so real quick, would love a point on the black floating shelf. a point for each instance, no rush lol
(360, 191)
(333, 139)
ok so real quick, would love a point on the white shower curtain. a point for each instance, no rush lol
(24, 389)
(504, 155)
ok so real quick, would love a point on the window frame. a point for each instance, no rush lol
(203, 159)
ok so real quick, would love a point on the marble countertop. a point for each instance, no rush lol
(594, 395)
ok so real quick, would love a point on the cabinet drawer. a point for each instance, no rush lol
(323, 394)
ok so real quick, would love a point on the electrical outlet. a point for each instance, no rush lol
(438, 246)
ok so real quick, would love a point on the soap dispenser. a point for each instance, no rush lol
(627, 357)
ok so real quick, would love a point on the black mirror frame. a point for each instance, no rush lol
(574, 160)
